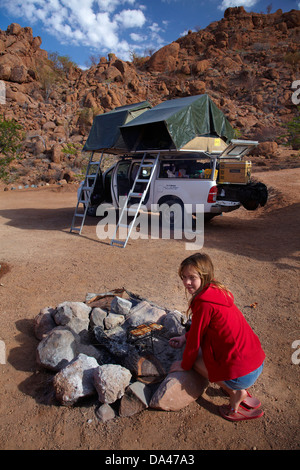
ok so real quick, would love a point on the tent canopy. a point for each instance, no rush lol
(105, 131)
(193, 123)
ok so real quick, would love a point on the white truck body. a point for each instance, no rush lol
(178, 178)
(187, 191)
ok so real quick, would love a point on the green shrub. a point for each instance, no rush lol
(48, 78)
(53, 71)
(10, 143)
(61, 63)
(293, 59)
(292, 135)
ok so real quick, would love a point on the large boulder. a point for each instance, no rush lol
(144, 312)
(75, 315)
(5, 72)
(165, 59)
(14, 28)
(18, 74)
(266, 149)
(75, 380)
(110, 381)
(178, 390)
(57, 349)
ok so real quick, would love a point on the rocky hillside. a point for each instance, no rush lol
(245, 62)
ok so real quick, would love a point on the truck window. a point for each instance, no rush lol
(123, 178)
(144, 173)
(193, 168)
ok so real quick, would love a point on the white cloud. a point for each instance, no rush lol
(130, 18)
(137, 37)
(108, 5)
(98, 24)
(237, 3)
(154, 28)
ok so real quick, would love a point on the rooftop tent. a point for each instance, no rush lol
(105, 131)
(193, 123)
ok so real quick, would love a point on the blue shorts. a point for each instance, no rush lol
(245, 381)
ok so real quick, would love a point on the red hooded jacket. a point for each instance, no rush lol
(229, 346)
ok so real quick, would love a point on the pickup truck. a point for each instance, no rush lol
(222, 182)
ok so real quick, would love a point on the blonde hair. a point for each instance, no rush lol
(202, 263)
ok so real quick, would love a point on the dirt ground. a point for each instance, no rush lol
(256, 254)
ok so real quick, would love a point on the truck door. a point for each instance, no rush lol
(144, 175)
(121, 181)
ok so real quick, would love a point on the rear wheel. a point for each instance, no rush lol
(172, 214)
(209, 217)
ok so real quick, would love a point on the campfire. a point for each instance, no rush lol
(115, 345)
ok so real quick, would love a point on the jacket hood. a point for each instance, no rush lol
(215, 295)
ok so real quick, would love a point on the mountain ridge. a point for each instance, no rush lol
(246, 63)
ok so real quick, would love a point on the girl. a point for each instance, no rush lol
(220, 344)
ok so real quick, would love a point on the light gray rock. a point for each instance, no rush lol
(136, 398)
(97, 317)
(57, 349)
(172, 324)
(44, 322)
(144, 312)
(75, 315)
(110, 381)
(78, 309)
(105, 413)
(75, 380)
(120, 306)
(113, 320)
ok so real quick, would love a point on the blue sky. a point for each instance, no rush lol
(85, 28)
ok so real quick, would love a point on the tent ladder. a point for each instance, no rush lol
(85, 193)
(133, 193)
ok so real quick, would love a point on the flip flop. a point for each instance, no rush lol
(241, 415)
(250, 402)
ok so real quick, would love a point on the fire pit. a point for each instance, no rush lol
(114, 344)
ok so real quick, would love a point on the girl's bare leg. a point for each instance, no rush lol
(236, 396)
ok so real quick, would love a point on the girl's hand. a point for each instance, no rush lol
(176, 367)
(177, 342)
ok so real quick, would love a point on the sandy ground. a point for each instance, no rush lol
(42, 264)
